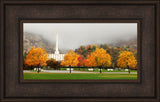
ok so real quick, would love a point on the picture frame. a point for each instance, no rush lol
(14, 88)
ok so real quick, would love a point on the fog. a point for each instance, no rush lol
(72, 35)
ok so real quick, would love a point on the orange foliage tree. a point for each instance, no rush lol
(79, 60)
(99, 58)
(127, 60)
(70, 59)
(85, 62)
(25, 65)
(37, 57)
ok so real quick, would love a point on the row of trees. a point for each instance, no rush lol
(99, 58)
(84, 51)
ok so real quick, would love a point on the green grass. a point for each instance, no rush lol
(78, 76)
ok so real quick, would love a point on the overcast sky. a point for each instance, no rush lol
(72, 35)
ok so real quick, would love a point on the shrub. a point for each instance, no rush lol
(53, 63)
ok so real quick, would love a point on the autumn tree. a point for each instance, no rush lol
(25, 65)
(127, 60)
(85, 62)
(99, 58)
(25, 55)
(37, 57)
(86, 50)
(80, 59)
(70, 59)
(53, 63)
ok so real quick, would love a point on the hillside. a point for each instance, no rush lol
(36, 41)
(131, 42)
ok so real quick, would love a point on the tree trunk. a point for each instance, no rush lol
(70, 69)
(118, 69)
(100, 69)
(128, 69)
(38, 68)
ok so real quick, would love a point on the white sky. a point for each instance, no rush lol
(72, 35)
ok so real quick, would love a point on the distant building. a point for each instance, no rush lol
(56, 55)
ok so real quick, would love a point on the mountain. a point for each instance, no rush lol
(122, 43)
(36, 41)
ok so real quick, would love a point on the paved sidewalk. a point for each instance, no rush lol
(73, 71)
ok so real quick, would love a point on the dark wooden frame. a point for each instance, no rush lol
(154, 98)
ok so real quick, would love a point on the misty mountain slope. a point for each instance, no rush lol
(36, 41)
(121, 43)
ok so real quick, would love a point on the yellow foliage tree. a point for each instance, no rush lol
(70, 59)
(99, 58)
(127, 60)
(37, 57)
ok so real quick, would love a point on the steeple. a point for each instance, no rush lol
(56, 52)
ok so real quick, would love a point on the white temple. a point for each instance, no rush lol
(56, 55)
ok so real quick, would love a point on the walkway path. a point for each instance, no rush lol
(73, 71)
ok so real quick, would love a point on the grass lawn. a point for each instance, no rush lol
(78, 76)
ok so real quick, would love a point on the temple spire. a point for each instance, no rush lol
(56, 52)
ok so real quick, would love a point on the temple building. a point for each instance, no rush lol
(57, 56)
